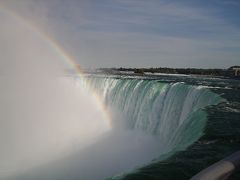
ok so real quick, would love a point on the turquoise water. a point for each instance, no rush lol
(196, 118)
(173, 112)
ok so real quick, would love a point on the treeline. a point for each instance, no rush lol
(187, 71)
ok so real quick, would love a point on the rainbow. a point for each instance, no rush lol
(65, 57)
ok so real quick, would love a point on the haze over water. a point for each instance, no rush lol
(44, 115)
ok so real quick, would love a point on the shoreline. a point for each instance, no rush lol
(229, 73)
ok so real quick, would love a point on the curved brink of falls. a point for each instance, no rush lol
(173, 112)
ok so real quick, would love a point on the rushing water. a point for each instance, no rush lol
(174, 112)
(196, 118)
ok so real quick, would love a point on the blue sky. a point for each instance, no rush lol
(140, 33)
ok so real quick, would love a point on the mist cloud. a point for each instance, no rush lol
(43, 113)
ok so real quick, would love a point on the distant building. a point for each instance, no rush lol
(235, 71)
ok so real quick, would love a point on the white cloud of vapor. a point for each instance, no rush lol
(42, 113)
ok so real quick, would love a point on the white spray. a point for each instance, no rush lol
(43, 114)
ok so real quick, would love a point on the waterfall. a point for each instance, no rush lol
(173, 112)
(151, 120)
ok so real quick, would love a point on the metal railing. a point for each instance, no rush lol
(221, 170)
